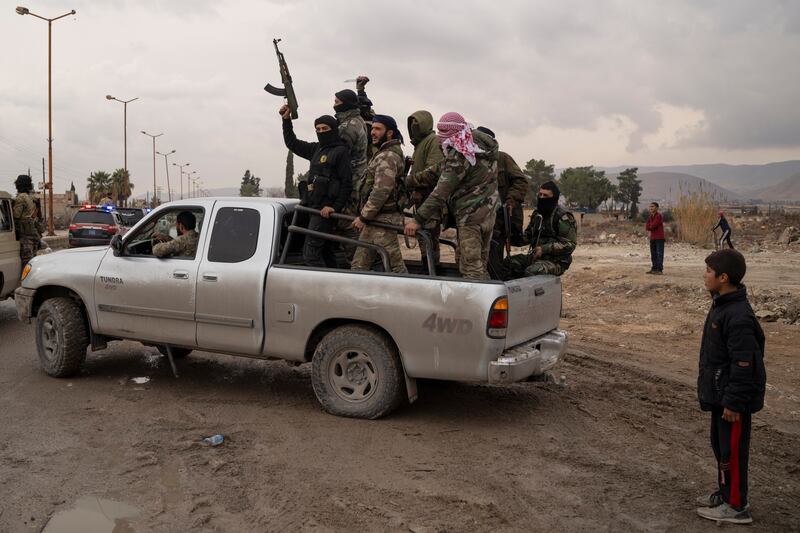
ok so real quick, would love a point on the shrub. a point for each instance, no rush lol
(696, 214)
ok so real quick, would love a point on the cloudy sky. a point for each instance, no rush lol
(572, 82)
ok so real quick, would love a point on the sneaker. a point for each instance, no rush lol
(658, 272)
(726, 513)
(651, 271)
(710, 500)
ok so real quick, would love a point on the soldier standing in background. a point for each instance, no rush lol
(512, 187)
(552, 253)
(427, 153)
(467, 185)
(353, 132)
(24, 213)
(380, 196)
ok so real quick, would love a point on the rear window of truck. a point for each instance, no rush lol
(234, 237)
(93, 217)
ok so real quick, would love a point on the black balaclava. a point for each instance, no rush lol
(327, 137)
(349, 100)
(487, 131)
(23, 183)
(547, 205)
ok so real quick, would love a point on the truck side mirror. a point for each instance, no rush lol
(116, 245)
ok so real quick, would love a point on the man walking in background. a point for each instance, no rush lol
(655, 228)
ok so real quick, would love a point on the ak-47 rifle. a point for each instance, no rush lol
(507, 225)
(536, 233)
(286, 78)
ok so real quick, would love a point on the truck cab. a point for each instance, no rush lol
(10, 264)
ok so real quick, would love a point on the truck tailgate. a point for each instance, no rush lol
(534, 307)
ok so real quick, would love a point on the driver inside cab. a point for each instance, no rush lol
(185, 245)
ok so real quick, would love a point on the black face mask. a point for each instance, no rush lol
(327, 137)
(343, 107)
(546, 205)
(413, 131)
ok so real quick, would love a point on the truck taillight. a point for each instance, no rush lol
(498, 319)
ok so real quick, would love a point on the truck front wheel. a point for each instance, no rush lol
(356, 372)
(61, 337)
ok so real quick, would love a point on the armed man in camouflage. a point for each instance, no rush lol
(467, 185)
(24, 213)
(427, 153)
(380, 196)
(512, 185)
(186, 243)
(556, 241)
(353, 131)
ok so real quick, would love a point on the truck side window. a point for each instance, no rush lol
(6, 219)
(234, 237)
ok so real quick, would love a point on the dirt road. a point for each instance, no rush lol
(621, 447)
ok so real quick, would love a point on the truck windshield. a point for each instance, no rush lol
(93, 217)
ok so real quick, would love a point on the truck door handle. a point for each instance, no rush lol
(208, 276)
(180, 274)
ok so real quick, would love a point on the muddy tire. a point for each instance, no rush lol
(356, 372)
(177, 353)
(61, 337)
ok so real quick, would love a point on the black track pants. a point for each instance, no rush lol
(731, 444)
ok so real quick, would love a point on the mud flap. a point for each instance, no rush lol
(411, 388)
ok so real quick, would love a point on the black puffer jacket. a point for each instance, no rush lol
(732, 337)
(330, 178)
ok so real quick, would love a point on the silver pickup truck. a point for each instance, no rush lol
(246, 291)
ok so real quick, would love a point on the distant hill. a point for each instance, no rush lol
(787, 190)
(667, 187)
(740, 179)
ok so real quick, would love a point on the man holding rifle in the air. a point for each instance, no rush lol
(552, 235)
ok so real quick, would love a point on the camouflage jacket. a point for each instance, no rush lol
(379, 192)
(184, 246)
(511, 182)
(559, 236)
(24, 213)
(468, 191)
(354, 133)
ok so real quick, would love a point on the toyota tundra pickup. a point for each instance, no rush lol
(245, 291)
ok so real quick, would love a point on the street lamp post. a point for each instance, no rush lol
(125, 133)
(25, 11)
(189, 183)
(153, 203)
(181, 167)
(166, 165)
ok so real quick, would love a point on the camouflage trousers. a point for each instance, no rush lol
(365, 257)
(521, 265)
(344, 228)
(473, 248)
(27, 249)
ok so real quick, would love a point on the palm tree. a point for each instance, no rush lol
(99, 185)
(121, 185)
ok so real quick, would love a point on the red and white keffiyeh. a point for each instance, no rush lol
(453, 130)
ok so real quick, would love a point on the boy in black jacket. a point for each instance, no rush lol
(730, 384)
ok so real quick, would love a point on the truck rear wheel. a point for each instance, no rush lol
(356, 372)
(61, 337)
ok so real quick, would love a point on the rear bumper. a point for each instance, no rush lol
(530, 358)
(23, 299)
(76, 242)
